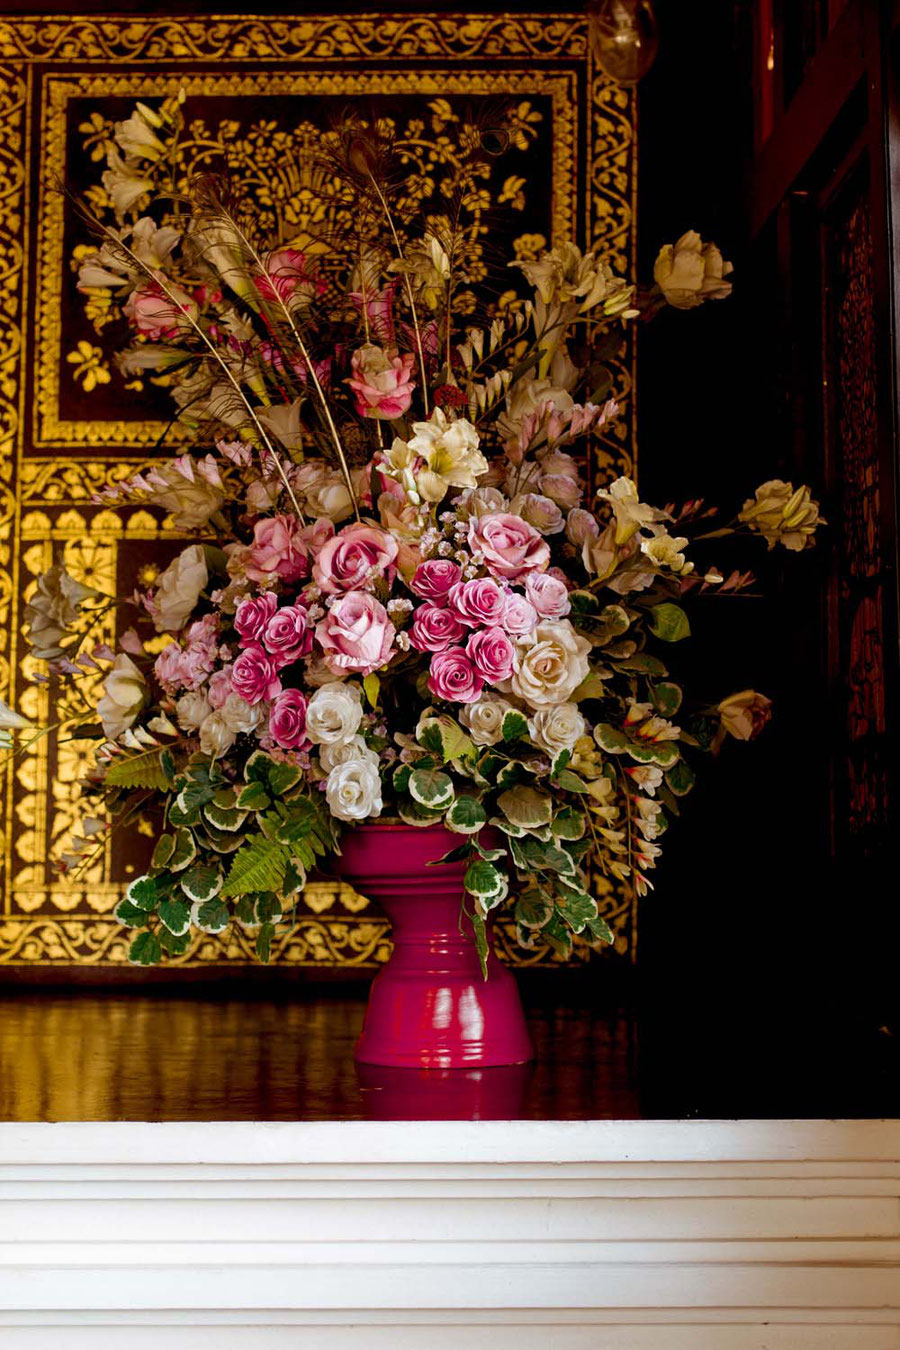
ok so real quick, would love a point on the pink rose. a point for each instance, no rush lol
(287, 635)
(548, 594)
(492, 654)
(219, 687)
(510, 547)
(254, 676)
(287, 277)
(354, 559)
(453, 677)
(169, 668)
(382, 381)
(157, 316)
(316, 535)
(278, 550)
(435, 629)
(356, 634)
(520, 616)
(479, 603)
(251, 616)
(435, 579)
(287, 720)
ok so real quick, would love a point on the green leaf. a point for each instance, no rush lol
(431, 788)
(144, 770)
(176, 916)
(485, 881)
(202, 881)
(412, 813)
(174, 944)
(611, 739)
(568, 823)
(666, 698)
(258, 866)
(264, 942)
(229, 820)
(401, 777)
(165, 847)
(533, 910)
(570, 781)
(559, 762)
(513, 772)
(611, 623)
(211, 916)
(275, 776)
(143, 892)
(514, 725)
(253, 797)
(641, 663)
(185, 851)
(479, 928)
(584, 602)
(194, 795)
(371, 689)
(220, 841)
(268, 907)
(577, 908)
(445, 737)
(466, 816)
(145, 950)
(681, 778)
(592, 686)
(526, 806)
(669, 622)
(132, 916)
(600, 930)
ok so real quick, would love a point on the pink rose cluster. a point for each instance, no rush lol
(471, 627)
(187, 667)
(271, 638)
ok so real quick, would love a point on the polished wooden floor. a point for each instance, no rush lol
(90, 1055)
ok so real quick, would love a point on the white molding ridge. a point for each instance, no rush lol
(606, 1235)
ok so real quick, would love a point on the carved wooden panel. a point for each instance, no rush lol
(257, 90)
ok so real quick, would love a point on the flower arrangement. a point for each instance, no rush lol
(399, 601)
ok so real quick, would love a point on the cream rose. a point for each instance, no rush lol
(192, 709)
(342, 752)
(484, 719)
(334, 713)
(240, 716)
(191, 501)
(330, 498)
(689, 272)
(178, 590)
(353, 790)
(125, 692)
(557, 728)
(216, 735)
(551, 665)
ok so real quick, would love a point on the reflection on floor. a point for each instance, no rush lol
(89, 1055)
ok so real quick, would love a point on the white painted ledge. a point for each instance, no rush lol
(637, 1235)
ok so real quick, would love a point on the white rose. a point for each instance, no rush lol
(353, 790)
(334, 713)
(191, 710)
(342, 752)
(216, 735)
(329, 498)
(551, 666)
(480, 501)
(557, 728)
(484, 719)
(689, 272)
(125, 692)
(178, 589)
(240, 716)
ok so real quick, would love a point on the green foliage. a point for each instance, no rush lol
(175, 915)
(485, 882)
(202, 881)
(526, 807)
(445, 737)
(669, 622)
(184, 853)
(258, 866)
(680, 779)
(144, 892)
(212, 916)
(466, 815)
(371, 689)
(666, 698)
(513, 726)
(165, 847)
(132, 916)
(145, 950)
(143, 770)
(276, 777)
(431, 788)
(264, 942)
(253, 797)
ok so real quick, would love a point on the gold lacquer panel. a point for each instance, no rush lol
(258, 91)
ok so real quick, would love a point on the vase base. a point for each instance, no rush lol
(416, 1022)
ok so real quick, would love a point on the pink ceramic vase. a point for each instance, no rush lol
(430, 1007)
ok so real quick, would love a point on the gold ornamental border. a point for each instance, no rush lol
(52, 432)
(38, 54)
